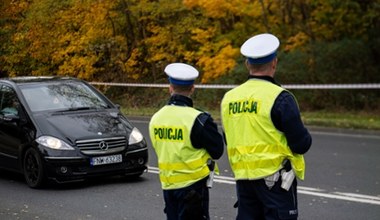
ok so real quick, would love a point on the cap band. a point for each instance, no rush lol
(262, 60)
(181, 82)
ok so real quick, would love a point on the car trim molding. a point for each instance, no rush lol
(135, 151)
(7, 155)
(64, 158)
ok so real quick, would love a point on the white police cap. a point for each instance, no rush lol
(181, 73)
(261, 48)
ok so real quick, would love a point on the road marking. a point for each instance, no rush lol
(352, 197)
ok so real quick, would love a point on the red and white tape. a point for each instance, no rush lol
(220, 86)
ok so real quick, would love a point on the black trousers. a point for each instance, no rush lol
(189, 203)
(256, 201)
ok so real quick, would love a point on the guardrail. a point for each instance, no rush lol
(219, 86)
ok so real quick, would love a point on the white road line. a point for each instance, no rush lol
(352, 197)
(375, 201)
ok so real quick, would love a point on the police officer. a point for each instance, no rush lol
(185, 140)
(265, 137)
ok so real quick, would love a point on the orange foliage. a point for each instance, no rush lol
(214, 66)
(135, 39)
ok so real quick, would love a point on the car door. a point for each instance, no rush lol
(10, 127)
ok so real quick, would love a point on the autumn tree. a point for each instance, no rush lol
(115, 40)
(132, 40)
(171, 32)
(13, 57)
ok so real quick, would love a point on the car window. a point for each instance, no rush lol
(9, 102)
(61, 96)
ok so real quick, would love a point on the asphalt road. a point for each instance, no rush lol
(342, 182)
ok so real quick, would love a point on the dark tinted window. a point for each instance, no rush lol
(8, 101)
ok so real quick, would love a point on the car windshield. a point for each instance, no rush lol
(61, 96)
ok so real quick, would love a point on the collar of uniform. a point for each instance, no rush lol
(267, 78)
(180, 100)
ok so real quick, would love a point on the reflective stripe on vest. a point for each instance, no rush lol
(180, 164)
(256, 149)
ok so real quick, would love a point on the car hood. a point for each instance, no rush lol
(83, 125)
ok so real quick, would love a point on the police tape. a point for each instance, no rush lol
(220, 86)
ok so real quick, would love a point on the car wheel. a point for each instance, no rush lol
(33, 169)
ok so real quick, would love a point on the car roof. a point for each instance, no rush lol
(36, 79)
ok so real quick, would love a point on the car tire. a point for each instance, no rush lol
(33, 169)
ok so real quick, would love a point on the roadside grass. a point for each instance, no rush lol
(145, 112)
(146, 101)
(344, 120)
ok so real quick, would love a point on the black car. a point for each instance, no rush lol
(63, 129)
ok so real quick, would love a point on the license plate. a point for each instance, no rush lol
(106, 160)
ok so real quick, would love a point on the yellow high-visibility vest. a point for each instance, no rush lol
(255, 147)
(179, 163)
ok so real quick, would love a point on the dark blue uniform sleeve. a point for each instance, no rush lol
(205, 134)
(287, 119)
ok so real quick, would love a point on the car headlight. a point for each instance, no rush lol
(135, 136)
(53, 143)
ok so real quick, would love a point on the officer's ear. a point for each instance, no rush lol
(171, 89)
(274, 63)
(247, 63)
(192, 89)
